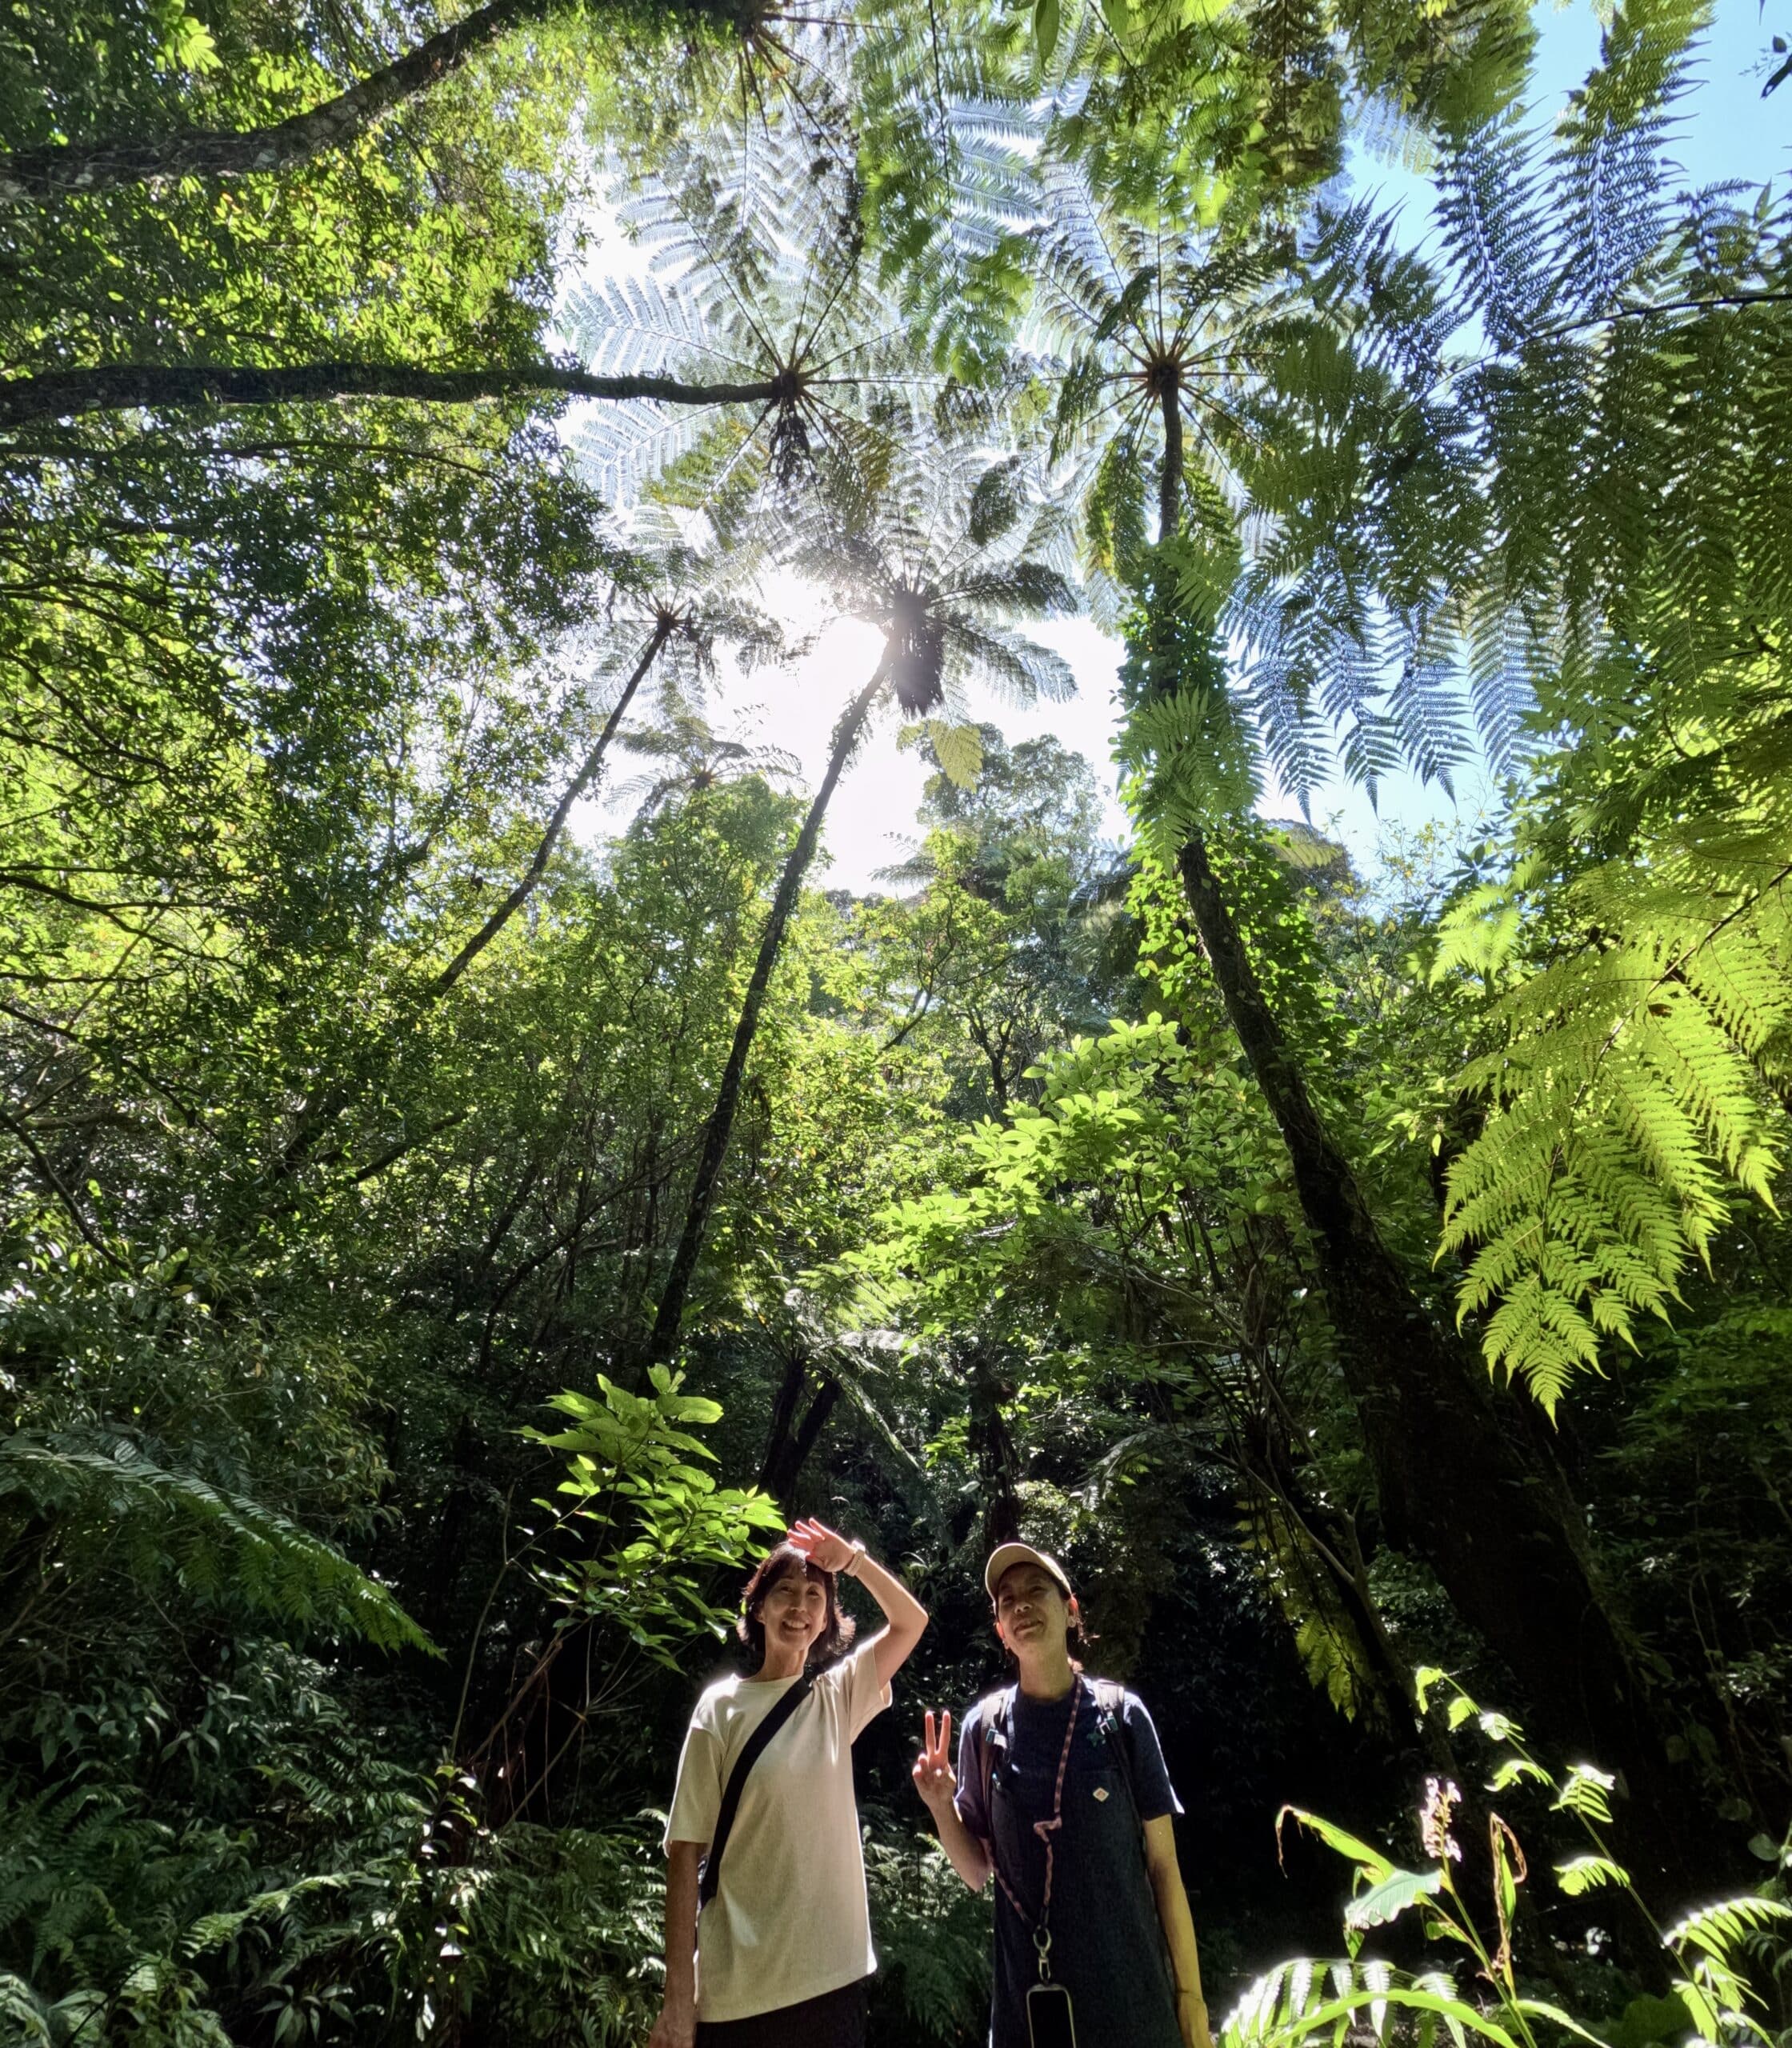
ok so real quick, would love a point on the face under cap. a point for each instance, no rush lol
(1006, 1556)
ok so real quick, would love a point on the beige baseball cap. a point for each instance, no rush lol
(1005, 1556)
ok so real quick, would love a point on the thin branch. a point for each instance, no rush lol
(117, 387)
(581, 783)
(60, 1189)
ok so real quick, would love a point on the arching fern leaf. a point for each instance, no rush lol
(217, 1547)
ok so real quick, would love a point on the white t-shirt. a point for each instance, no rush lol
(789, 1920)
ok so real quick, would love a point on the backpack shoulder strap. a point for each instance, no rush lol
(998, 1708)
(1110, 1702)
(709, 1875)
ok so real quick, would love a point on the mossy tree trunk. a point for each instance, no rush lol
(1489, 1510)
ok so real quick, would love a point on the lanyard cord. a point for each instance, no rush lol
(1045, 1829)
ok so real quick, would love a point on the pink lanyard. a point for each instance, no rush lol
(1045, 1829)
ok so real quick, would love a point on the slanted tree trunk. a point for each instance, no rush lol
(68, 167)
(1492, 1517)
(321, 1113)
(161, 387)
(588, 772)
(668, 1318)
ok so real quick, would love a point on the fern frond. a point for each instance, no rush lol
(1627, 1089)
(217, 1546)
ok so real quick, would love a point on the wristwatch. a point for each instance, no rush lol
(850, 1569)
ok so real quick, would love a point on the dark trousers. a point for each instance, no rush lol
(835, 2020)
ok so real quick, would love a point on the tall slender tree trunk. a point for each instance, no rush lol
(588, 772)
(1492, 1517)
(1169, 479)
(1453, 1485)
(669, 1318)
(789, 1441)
(992, 1445)
(118, 387)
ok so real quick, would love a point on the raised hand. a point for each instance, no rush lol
(821, 1546)
(935, 1778)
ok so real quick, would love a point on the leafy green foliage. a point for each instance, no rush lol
(353, 1080)
(632, 1476)
(1580, 325)
(1018, 937)
(363, 1903)
(1174, 113)
(216, 1549)
(933, 1936)
(1304, 2000)
(1188, 758)
(1632, 1059)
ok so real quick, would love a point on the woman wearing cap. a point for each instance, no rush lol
(779, 1952)
(1060, 1794)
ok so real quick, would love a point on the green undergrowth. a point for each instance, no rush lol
(1725, 1961)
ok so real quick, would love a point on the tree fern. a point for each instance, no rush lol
(1551, 484)
(945, 553)
(101, 1492)
(756, 258)
(1148, 332)
(1519, 448)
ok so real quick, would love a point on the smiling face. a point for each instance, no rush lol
(792, 1609)
(1033, 1616)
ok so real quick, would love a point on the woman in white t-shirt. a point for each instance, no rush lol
(781, 1955)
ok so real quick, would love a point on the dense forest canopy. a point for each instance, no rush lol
(446, 1239)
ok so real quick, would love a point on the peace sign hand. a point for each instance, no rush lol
(935, 1778)
(822, 1547)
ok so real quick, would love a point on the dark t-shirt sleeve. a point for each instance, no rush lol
(1151, 1785)
(968, 1799)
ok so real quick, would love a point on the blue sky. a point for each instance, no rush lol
(1726, 131)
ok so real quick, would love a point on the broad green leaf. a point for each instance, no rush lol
(1388, 1899)
(1046, 19)
(1371, 1862)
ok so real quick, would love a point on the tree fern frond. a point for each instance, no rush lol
(1493, 228)
(217, 1546)
(1626, 1090)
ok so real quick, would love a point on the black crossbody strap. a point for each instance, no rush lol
(710, 1876)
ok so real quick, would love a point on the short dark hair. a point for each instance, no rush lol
(837, 1630)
